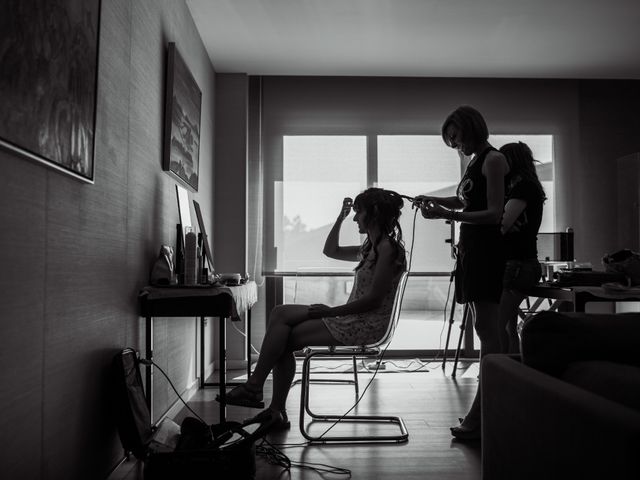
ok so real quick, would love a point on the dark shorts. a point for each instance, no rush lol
(521, 275)
(479, 271)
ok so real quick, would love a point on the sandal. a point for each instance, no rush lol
(279, 420)
(241, 396)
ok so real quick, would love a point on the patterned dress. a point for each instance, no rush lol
(367, 327)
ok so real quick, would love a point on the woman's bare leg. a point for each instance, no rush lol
(486, 325)
(509, 304)
(310, 332)
(282, 319)
(289, 330)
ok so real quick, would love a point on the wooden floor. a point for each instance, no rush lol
(429, 400)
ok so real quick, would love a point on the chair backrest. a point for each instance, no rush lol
(395, 312)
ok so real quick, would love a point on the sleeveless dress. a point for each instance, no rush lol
(480, 251)
(367, 327)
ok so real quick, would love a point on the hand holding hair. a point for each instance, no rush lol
(434, 210)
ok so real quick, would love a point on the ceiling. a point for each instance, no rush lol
(426, 38)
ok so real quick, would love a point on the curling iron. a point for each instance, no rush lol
(414, 201)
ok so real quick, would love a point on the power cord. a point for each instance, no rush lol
(273, 455)
(244, 334)
(147, 362)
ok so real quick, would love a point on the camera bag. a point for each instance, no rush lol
(196, 451)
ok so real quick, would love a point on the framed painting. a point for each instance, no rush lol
(48, 83)
(183, 100)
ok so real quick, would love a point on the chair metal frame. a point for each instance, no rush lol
(355, 352)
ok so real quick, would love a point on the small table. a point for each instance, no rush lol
(198, 301)
(577, 296)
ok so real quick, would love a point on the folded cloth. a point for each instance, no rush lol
(244, 296)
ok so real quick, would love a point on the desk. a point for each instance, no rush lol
(577, 296)
(198, 301)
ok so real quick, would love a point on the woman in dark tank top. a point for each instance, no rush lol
(478, 206)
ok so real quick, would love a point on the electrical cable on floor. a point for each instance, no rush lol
(273, 455)
(233, 324)
(147, 362)
(403, 368)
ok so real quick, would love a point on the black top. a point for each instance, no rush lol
(472, 192)
(522, 244)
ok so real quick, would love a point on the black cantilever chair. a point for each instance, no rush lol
(356, 352)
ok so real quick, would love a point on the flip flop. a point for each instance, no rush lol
(241, 396)
(277, 420)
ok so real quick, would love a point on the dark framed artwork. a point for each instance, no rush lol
(183, 100)
(48, 82)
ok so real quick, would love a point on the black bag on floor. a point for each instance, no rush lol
(194, 450)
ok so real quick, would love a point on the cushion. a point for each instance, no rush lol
(552, 340)
(615, 381)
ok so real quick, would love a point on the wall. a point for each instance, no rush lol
(75, 256)
(609, 129)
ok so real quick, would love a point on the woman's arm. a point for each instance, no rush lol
(512, 210)
(385, 271)
(332, 246)
(452, 203)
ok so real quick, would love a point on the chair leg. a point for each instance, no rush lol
(403, 436)
(355, 376)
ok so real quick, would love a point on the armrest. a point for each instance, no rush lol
(537, 426)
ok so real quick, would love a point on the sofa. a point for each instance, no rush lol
(569, 405)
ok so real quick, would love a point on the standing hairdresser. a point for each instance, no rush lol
(478, 206)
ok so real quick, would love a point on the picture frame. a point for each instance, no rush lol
(183, 101)
(205, 239)
(49, 98)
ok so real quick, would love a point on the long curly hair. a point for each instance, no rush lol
(383, 207)
(522, 166)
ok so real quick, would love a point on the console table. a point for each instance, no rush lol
(199, 301)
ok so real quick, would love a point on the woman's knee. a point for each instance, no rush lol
(276, 316)
(288, 315)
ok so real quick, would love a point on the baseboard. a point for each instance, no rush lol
(177, 406)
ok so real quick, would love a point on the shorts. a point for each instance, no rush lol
(478, 274)
(521, 275)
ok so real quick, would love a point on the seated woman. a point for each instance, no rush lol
(360, 321)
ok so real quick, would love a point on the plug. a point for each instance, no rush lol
(376, 365)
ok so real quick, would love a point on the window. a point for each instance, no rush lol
(318, 171)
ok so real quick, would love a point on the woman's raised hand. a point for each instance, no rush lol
(347, 205)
